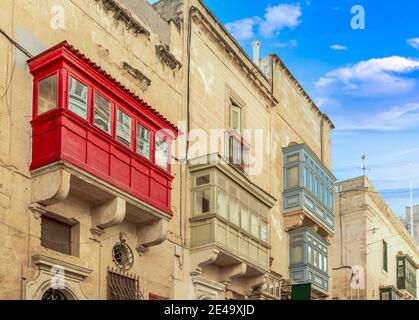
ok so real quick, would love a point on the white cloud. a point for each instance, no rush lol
(279, 17)
(289, 44)
(275, 19)
(372, 77)
(242, 29)
(338, 47)
(413, 42)
(398, 118)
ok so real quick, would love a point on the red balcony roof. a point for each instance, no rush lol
(73, 51)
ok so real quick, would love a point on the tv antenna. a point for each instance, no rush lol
(364, 165)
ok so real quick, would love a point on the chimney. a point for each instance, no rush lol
(256, 52)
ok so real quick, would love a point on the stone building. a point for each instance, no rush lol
(373, 256)
(406, 220)
(102, 196)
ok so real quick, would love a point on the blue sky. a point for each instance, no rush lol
(366, 80)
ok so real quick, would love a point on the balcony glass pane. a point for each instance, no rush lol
(234, 211)
(244, 219)
(143, 141)
(123, 128)
(264, 231)
(102, 113)
(202, 201)
(254, 227)
(162, 152)
(77, 98)
(222, 208)
(47, 94)
(292, 177)
(297, 254)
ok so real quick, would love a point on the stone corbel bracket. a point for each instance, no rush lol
(151, 234)
(293, 220)
(167, 58)
(144, 82)
(50, 187)
(109, 213)
(234, 271)
(123, 15)
(202, 258)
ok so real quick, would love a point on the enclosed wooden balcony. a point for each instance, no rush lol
(93, 137)
(308, 191)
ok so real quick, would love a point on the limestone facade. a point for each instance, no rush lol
(178, 57)
(368, 242)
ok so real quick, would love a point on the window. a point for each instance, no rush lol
(202, 201)
(122, 286)
(254, 227)
(235, 118)
(143, 141)
(47, 94)
(385, 262)
(222, 207)
(292, 177)
(162, 153)
(122, 255)
(234, 211)
(123, 128)
(297, 253)
(102, 113)
(244, 219)
(77, 98)
(55, 235)
(53, 294)
(406, 274)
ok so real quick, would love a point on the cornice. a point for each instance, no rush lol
(167, 58)
(249, 69)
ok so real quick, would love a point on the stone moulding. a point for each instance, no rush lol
(122, 14)
(66, 276)
(167, 58)
(138, 75)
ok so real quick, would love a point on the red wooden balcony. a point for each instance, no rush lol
(85, 118)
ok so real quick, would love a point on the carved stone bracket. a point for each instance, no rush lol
(144, 82)
(50, 187)
(151, 234)
(233, 271)
(200, 259)
(109, 213)
(123, 15)
(293, 220)
(167, 58)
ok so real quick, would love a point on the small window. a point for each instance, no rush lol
(385, 262)
(123, 128)
(297, 254)
(234, 211)
(254, 227)
(122, 255)
(162, 153)
(202, 201)
(77, 98)
(292, 177)
(47, 94)
(102, 113)
(222, 204)
(55, 235)
(244, 219)
(143, 141)
(264, 231)
(235, 118)
(123, 287)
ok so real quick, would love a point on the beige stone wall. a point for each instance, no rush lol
(366, 222)
(215, 78)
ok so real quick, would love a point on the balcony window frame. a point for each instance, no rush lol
(163, 139)
(88, 96)
(55, 73)
(111, 112)
(151, 142)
